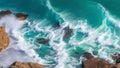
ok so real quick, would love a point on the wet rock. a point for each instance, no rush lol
(26, 65)
(4, 39)
(118, 61)
(68, 32)
(42, 41)
(97, 63)
(116, 58)
(21, 16)
(6, 12)
(87, 55)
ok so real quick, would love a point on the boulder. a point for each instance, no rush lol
(4, 39)
(6, 12)
(68, 32)
(97, 63)
(21, 16)
(26, 65)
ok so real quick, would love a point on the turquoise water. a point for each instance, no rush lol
(95, 25)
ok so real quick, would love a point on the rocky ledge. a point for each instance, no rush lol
(4, 39)
(26, 65)
(20, 16)
(93, 62)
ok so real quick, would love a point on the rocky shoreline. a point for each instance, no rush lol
(4, 41)
(94, 62)
(26, 65)
(90, 62)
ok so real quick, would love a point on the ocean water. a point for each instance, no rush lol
(95, 28)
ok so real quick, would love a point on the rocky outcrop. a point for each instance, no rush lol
(87, 55)
(93, 62)
(68, 32)
(97, 63)
(4, 39)
(20, 16)
(26, 65)
(6, 12)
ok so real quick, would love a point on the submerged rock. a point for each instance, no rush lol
(26, 65)
(68, 32)
(4, 39)
(21, 16)
(42, 41)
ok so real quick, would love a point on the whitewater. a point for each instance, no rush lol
(60, 52)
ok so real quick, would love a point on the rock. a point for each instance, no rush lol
(118, 61)
(26, 65)
(97, 63)
(4, 39)
(68, 32)
(118, 65)
(21, 16)
(6, 12)
(87, 55)
(42, 41)
(116, 58)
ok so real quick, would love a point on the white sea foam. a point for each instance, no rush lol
(18, 49)
(18, 46)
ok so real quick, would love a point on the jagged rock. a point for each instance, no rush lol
(116, 58)
(87, 55)
(4, 39)
(97, 63)
(42, 41)
(6, 12)
(26, 65)
(68, 32)
(21, 16)
(93, 62)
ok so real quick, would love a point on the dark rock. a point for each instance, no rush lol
(118, 61)
(6, 12)
(42, 41)
(26, 65)
(21, 16)
(87, 55)
(116, 57)
(68, 32)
